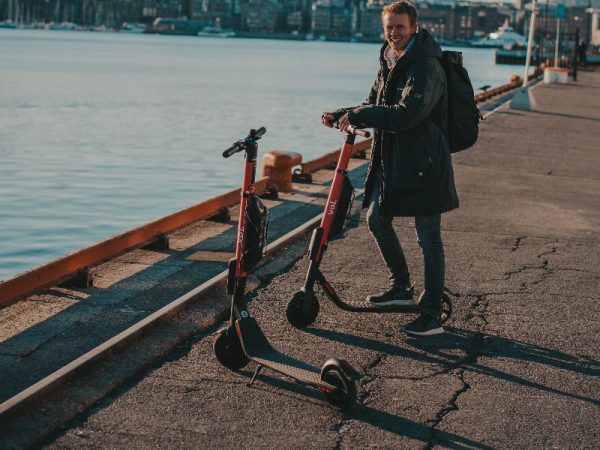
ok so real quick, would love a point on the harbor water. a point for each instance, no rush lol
(102, 132)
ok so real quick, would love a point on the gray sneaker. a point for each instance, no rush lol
(398, 296)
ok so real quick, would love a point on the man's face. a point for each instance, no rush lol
(398, 31)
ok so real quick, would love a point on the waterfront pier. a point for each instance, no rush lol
(518, 366)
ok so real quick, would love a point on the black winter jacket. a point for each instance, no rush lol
(407, 106)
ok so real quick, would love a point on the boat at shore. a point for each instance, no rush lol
(132, 28)
(504, 37)
(216, 32)
(165, 25)
(8, 24)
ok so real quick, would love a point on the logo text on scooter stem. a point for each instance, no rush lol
(241, 234)
(332, 207)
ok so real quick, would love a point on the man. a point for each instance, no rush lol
(410, 172)
(582, 53)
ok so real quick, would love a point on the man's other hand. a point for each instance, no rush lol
(327, 119)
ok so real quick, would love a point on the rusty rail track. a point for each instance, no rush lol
(488, 94)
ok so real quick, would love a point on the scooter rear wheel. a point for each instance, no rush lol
(345, 394)
(446, 309)
(296, 316)
(228, 349)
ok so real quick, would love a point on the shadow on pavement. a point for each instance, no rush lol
(475, 344)
(404, 427)
(379, 419)
(570, 116)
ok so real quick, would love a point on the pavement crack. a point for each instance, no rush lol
(478, 309)
(451, 292)
(368, 378)
(378, 360)
(569, 269)
(449, 407)
(337, 428)
(517, 244)
(544, 266)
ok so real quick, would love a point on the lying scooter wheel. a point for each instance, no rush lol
(345, 394)
(446, 309)
(294, 313)
(228, 349)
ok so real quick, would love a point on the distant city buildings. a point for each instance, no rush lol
(360, 20)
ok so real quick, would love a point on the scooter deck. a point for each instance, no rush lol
(361, 306)
(259, 349)
(365, 306)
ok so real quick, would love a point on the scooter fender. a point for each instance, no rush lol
(343, 366)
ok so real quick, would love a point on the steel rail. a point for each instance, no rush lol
(131, 334)
(61, 269)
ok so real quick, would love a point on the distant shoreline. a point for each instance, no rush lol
(237, 34)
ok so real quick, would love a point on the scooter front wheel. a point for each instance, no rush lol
(299, 315)
(344, 396)
(228, 349)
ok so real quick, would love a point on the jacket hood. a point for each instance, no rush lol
(423, 47)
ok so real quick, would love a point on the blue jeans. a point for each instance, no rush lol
(430, 240)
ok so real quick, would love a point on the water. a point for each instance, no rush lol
(102, 132)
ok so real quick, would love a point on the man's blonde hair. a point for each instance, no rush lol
(402, 7)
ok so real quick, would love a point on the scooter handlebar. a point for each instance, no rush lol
(353, 130)
(254, 135)
(258, 133)
(232, 150)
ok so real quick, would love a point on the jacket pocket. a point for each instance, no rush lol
(413, 163)
(410, 181)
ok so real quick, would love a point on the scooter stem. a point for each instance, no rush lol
(334, 192)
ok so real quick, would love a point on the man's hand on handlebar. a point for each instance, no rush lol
(328, 120)
(343, 123)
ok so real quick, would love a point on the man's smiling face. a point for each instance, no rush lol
(398, 31)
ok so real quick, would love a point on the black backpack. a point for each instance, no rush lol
(463, 114)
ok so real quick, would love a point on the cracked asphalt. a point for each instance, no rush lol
(518, 366)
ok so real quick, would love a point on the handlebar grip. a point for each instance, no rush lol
(231, 150)
(260, 132)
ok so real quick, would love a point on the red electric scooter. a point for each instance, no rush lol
(303, 308)
(243, 340)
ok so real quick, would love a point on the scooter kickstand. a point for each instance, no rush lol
(256, 372)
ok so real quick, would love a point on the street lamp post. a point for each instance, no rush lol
(523, 98)
(530, 43)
